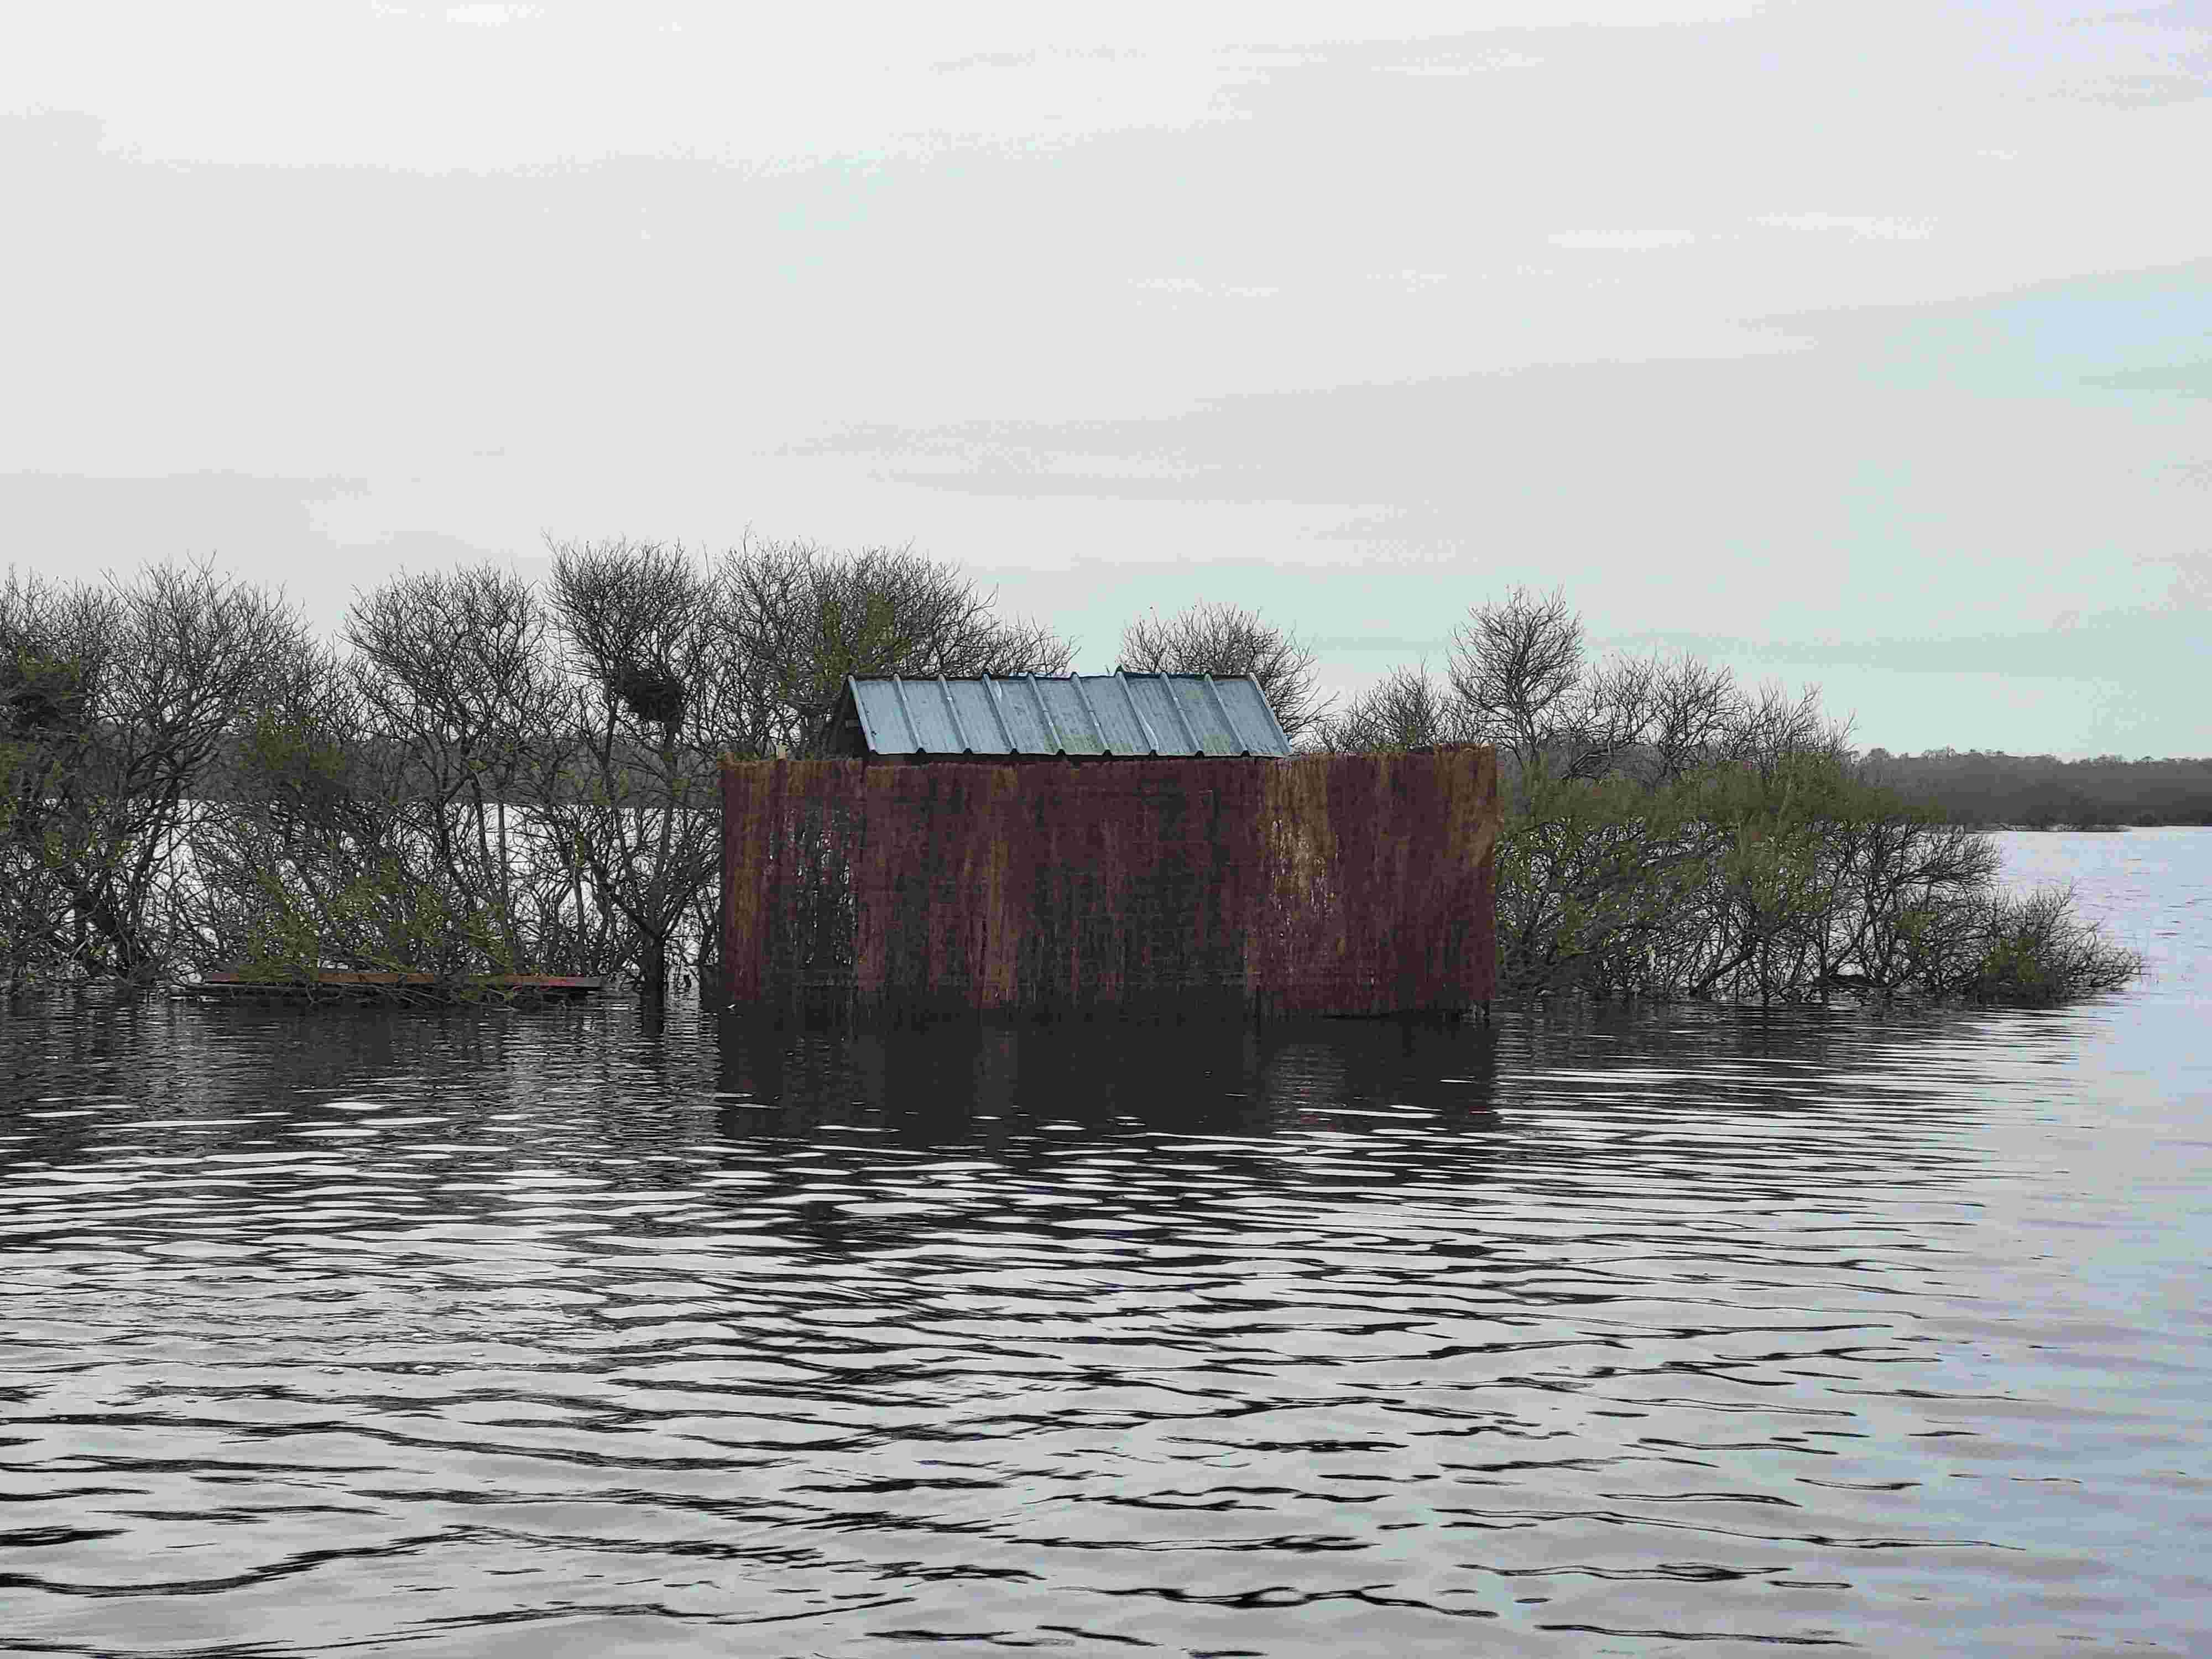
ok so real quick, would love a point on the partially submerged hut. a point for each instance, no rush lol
(1142, 842)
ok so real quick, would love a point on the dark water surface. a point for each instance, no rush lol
(1669, 1334)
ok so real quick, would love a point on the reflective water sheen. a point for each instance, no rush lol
(1650, 1335)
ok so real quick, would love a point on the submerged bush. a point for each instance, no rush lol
(485, 778)
(1795, 886)
(2037, 948)
(1671, 835)
(480, 776)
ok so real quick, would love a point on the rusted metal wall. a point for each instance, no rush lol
(1326, 884)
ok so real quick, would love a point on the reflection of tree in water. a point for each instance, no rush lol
(255, 1074)
(229, 1068)
(1743, 1050)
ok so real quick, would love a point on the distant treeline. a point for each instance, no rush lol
(483, 777)
(2040, 792)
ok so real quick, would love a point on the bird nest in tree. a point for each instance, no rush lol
(648, 693)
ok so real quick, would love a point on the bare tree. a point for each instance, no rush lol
(164, 663)
(1516, 664)
(1607, 720)
(796, 618)
(650, 694)
(1764, 732)
(1408, 709)
(455, 667)
(1520, 669)
(488, 779)
(1692, 706)
(1210, 638)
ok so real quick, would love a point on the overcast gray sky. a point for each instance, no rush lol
(1858, 342)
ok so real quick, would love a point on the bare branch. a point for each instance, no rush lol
(1224, 639)
(795, 619)
(1408, 709)
(1515, 665)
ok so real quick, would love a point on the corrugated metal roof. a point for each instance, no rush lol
(1118, 713)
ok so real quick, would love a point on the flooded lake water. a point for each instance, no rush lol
(1670, 1333)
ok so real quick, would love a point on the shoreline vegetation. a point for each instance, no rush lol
(483, 778)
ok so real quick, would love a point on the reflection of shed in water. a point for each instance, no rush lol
(1133, 841)
(926, 1083)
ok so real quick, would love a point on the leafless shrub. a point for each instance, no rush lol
(1607, 720)
(1691, 708)
(1408, 709)
(1517, 667)
(1764, 731)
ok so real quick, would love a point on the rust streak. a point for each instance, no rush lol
(1325, 883)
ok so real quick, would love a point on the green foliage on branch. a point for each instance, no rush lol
(481, 777)
(1670, 835)
(486, 777)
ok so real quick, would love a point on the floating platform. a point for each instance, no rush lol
(334, 984)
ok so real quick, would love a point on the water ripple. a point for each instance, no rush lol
(1629, 1334)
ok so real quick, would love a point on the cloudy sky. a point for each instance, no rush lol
(1855, 342)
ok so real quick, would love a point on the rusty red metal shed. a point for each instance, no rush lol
(1013, 878)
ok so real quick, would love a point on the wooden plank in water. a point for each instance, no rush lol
(339, 979)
